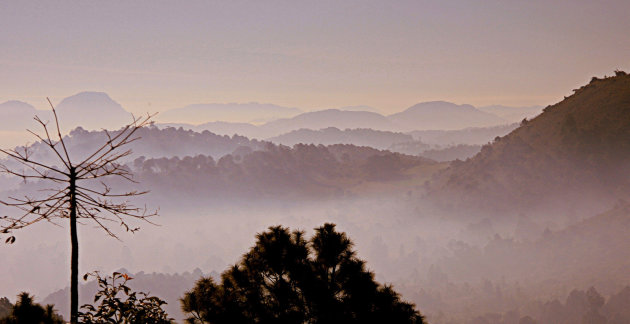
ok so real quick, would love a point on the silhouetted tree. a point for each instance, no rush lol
(77, 189)
(25, 311)
(287, 279)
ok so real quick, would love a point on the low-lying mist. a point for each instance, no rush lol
(444, 264)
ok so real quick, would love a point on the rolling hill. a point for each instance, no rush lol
(443, 115)
(341, 119)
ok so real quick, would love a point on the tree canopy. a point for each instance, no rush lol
(285, 278)
(27, 311)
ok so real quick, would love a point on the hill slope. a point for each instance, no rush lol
(329, 118)
(576, 153)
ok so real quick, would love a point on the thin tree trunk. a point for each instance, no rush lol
(74, 260)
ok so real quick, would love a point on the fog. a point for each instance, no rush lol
(533, 224)
(445, 265)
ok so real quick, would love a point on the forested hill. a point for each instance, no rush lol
(279, 172)
(174, 161)
(152, 142)
(576, 153)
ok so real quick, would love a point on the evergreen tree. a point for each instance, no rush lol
(286, 279)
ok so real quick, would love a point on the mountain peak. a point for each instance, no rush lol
(89, 98)
(92, 110)
(16, 106)
(444, 115)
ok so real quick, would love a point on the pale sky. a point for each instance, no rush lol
(155, 55)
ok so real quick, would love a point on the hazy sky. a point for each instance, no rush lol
(154, 55)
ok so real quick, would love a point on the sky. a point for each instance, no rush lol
(157, 55)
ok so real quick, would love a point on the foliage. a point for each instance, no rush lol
(286, 279)
(5, 307)
(27, 312)
(119, 304)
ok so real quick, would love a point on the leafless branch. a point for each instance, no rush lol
(98, 204)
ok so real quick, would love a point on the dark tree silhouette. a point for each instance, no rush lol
(287, 279)
(26, 311)
(77, 189)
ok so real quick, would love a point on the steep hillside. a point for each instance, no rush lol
(443, 115)
(575, 155)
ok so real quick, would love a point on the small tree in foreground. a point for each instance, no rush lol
(119, 304)
(75, 189)
(287, 279)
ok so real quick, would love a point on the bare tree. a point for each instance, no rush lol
(76, 189)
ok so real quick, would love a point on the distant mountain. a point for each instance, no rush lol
(467, 136)
(233, 112)
(360, 108)
(575, 156)
(513, 114)
(92, 110)
(331, 135)
(443, 115)
(18, 115)
(329, 118)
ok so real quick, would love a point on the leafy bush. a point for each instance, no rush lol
(119, 304)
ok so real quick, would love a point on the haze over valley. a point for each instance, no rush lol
(291, 163)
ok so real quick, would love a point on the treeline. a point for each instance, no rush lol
(276, 171)
(332, 135)
(152, 142)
